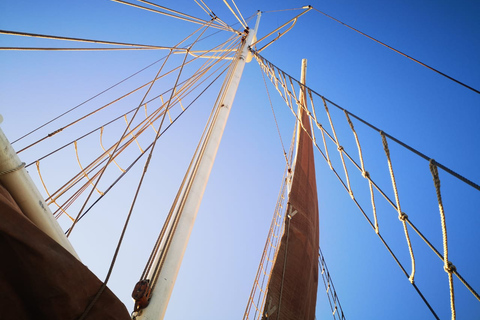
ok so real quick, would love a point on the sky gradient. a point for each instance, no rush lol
(419, 107)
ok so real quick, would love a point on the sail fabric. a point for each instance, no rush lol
(39, 279)
(292, 288)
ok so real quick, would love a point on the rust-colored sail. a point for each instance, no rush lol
(39, 279)
(292, 289)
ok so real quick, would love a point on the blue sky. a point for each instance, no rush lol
(421, 108)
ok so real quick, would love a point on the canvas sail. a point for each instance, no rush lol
(292, 289)
(42, 280)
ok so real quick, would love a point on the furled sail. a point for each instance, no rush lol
(42, 280)
(292, 288)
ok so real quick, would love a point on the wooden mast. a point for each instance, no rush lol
(168, 258)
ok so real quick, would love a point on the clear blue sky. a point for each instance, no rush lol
(430, 113)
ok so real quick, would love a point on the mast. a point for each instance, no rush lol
(168, 259)
(19, 184)
(292, 287)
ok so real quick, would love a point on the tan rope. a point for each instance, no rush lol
(189, 18)
(401, 216)
(46, 190)
(448, 266)
(236, 16)
(130, 132)
(127, 94)
(83, 170)
(240, 14)
(339, 148)
(139, 128)
(271, 70)
(26, 34)
(20, 166)
(146, 116)
(105, 151)
(319, 126)
(275, 119)
(365, 173)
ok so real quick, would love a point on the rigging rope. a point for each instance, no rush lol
(149, 146)
(110, 103)
(185, 17)
(403, 54)
(406, 146)
(188, 85)
(448, 266)
(122, 136)
(26, 34)
(275, 119)
(401, 215)
(271, 70)
(330, 288)
(102, 288)
(71, 49)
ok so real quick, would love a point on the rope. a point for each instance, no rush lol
(271, 72)
(401, 216)
(403, 54)
(35, 35)
(365, 173)
(280, 34)
(275, 119)
(212, 15)
(269, 249)
(105, 151)
(236, 16)
(320, 127)
(147, 148)
(108, 104)
(240, 14)
(448, 266)
(48, 193)
(188, 86)
(98, 94)
(328, 283)
(191, 19)
(20, 166)
(340, 150)
(284, 264)
(83, 170)
(102, 288)
(141, 130)
(71, 49)
(271, 11)
(406, 146)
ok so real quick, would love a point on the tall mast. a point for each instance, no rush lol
(173, 245)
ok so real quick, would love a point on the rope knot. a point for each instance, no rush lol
(403, 216)
(340, 148)
(450, 268)
(365, 174)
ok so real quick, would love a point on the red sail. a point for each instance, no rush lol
(292, 289)
(39, 279)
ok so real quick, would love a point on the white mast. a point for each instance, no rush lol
(172, 249)
(17, 181)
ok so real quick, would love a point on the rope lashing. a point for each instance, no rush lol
(402, 216)
(20, 166)
(448, 266)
